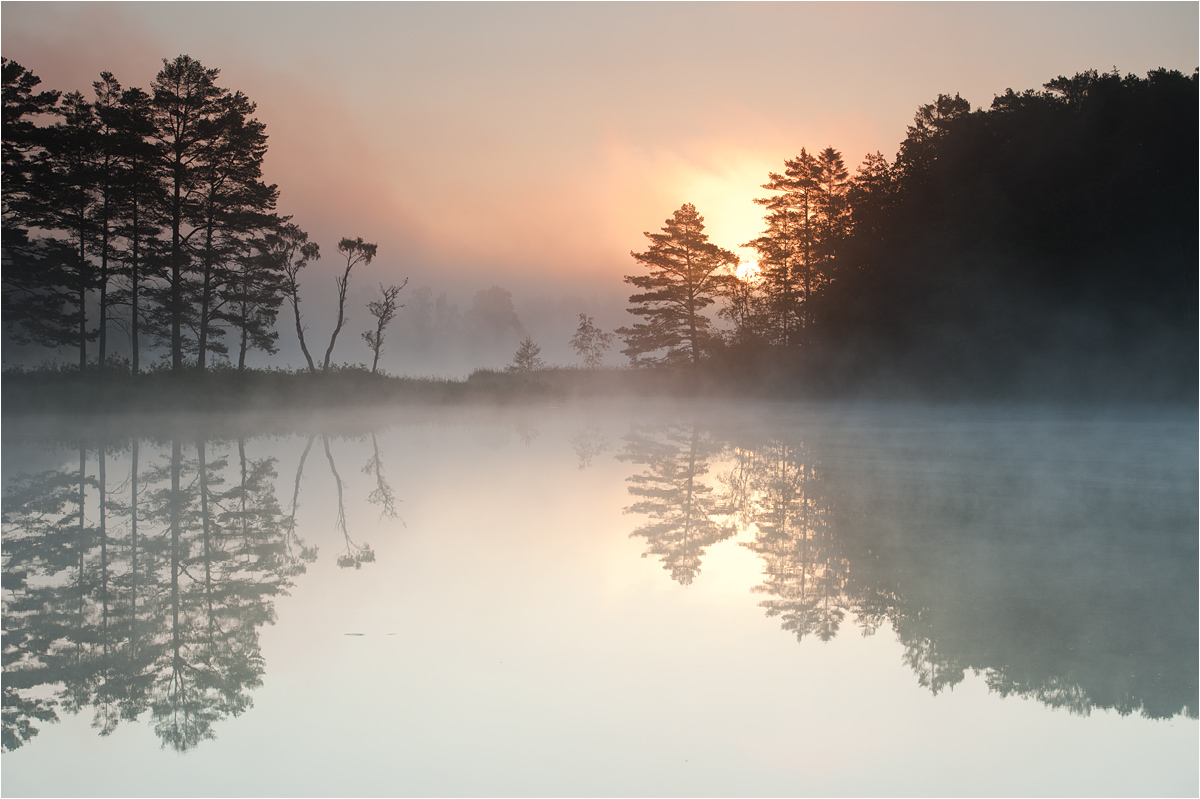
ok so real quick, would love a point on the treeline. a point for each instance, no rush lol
(1047, 243)
(146, 212)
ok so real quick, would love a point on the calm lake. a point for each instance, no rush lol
(635, 598)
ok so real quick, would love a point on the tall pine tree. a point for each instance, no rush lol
(687, 272)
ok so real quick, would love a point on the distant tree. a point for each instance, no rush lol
(590, 342)
(384, 311)
(356, 251)
(686, 274)
(527, 358)
(492, 324)
(290, 247)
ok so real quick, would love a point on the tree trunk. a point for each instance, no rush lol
(133, 295)
(176, 309)
(82, 297)
(341, 317)
(102, 353)
(206, 298)
(312, 367)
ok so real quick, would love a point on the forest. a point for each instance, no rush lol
(1044, 246)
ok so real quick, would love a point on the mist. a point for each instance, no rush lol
(600, 399)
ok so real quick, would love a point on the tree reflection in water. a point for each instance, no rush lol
(670, 490)
(383, 494)
(978, 559)
(157, 606)
(355, 555)
(1061, 581)
(806, 575)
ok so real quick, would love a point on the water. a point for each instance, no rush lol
(604, 600)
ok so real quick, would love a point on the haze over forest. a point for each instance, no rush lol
(509, 188)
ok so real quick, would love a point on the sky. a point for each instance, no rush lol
(530, 145)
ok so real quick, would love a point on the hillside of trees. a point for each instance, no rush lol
(1044, 246)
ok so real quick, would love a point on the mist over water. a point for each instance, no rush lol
(627, 598)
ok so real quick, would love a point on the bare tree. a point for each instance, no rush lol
(384, 311)
(356, 251)
(291, 246)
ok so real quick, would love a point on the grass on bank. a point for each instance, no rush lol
(55, 388)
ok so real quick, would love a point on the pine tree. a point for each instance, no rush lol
(69, 183)
(108, 135)
(785, 249)
(528, 357)
(686, 274)
(140, 192)
(186, 104)
(36, 303)
(832, 215)
(235, 205)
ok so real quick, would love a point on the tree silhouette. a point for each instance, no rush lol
(69, 179)
(785, 248)
(290, 247)
(140, 190)
(233, 206)
(356, 251)
(186, 106)
(686, 274)
(384, 310)
(37, 306)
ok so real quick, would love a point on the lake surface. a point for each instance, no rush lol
(603, 599)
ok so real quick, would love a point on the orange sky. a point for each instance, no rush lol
(535, 142)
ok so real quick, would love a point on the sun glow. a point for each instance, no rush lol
(724, 196)
(748, 271)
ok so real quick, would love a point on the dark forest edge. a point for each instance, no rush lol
(1043, 247)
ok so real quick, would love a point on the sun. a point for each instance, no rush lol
(748, 271)
(724, 195)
